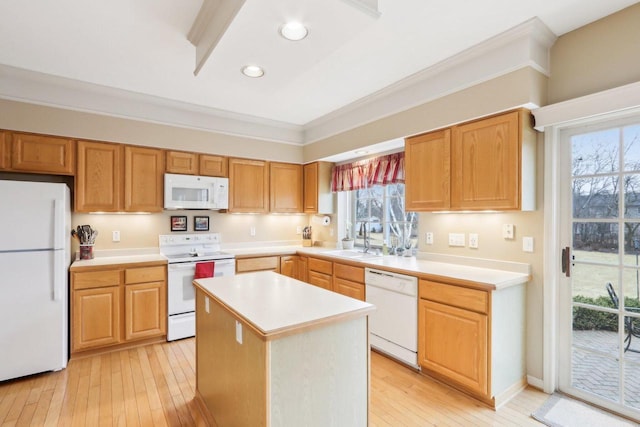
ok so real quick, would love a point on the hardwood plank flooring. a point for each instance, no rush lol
(154, 386)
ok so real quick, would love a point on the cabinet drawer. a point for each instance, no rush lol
(145, 274)
(257, 264)
(321, 280)
(320, 265)
(457, 296)
(349, 272)
(96, 279)
(349, 288)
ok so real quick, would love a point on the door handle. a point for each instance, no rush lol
(566, 261)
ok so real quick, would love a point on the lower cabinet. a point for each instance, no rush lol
(473, 339)
(320, 273)
(349, 280)
(289, 266)
(264, 263)
(117, 305)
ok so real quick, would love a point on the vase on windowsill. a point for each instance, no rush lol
(347, 243)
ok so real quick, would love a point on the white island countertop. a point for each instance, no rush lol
(275, 305)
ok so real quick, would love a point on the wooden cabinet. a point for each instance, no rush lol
(289, 266)
(5, 160)
(303, 263)
(143, 179)
(211, 165)
(145, 302)
(318, 198)
(248, 186)
(320, 273)
(427, 177)
(116, 178)
(181, 162)
(98, 183)
(486, 164)
(117, 305)
(41, 154)
(349, 280)
(473, 338)
(285, 189)
(265, 263)
(195, 164)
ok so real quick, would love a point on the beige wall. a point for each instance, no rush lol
(56, 121)
(596, 57)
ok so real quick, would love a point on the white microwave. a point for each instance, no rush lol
(195, 192)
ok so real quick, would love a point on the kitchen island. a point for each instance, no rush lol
(271, 350)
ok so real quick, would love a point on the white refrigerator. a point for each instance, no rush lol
(35, 224)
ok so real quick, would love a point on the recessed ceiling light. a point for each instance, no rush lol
(252, 71)
(293, 31)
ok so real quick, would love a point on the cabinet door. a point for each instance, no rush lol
(320, 279)
(182, 163)
(310, 188)
(265, 263)
(427, 172)
(285, 190)
(289, 266)
(485, 159)
(454, 343)
(98, 182)
(301, 274)
(96, 318)
(145, 310)
(4, 150)
(42, 154)
(248, 186)
(143, 179)
(349, 288)
(213, 165)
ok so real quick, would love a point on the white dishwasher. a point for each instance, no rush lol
(393, 326)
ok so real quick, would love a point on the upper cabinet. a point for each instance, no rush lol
(248, 186)
(143, 179)
(196, 164)
(98, 183)
(427, 171)
(38, 154)
(4, 150)
(487, 164)
(117, 178)
(285, 190)
(317, 188)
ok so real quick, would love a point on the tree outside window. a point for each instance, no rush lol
(379, 212)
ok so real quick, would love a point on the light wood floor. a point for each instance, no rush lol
(154, 386)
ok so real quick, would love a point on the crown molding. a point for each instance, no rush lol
(17, 84)
(526, 45)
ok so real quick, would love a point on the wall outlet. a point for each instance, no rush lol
(456, 239)
(299, 229)
(239, 332)
(473, 240)
(508, 231)
(428, 238)
(252, 231)
(206, 304)
(115, 236)
(527, 244)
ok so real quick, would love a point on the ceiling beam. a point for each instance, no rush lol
(212, 22)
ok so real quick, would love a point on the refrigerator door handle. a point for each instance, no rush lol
(58, 224)
(58, 274)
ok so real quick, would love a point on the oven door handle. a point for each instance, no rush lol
(190, 265)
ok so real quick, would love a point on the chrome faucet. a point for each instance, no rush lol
(367, 242)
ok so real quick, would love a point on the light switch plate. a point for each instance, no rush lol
(456, 239)
(473, 240)
(527, 244)
(115, 236)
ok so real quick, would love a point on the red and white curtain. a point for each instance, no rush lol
(381, 170)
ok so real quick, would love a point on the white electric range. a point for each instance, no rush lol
(184, 251)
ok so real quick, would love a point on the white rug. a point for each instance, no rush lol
(562, 411)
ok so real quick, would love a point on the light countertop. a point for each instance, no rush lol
(274, 304)
(113, 257)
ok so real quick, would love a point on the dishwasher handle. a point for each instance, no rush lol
(399, 283)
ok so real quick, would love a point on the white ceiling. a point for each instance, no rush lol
(141, 46)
